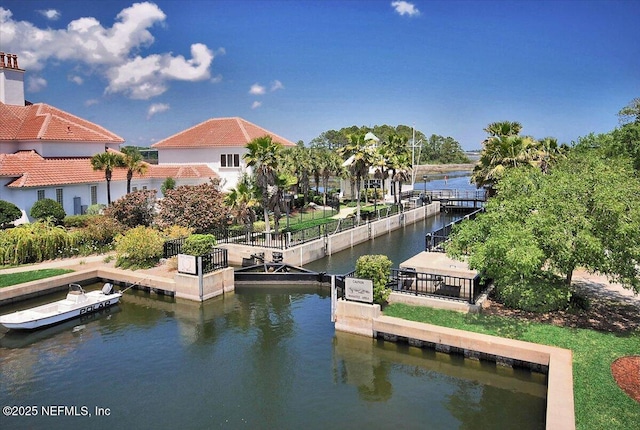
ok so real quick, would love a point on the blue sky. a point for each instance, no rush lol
(151, 69)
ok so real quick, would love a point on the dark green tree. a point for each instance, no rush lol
(48, 208)
(8, 213)
(584, 213)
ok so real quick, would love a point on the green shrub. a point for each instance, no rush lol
(8, 213)
(198, 244)
(78, 221)
(542, 294)
(139, 248)
(96, 209)
(47, 208)
(259, 226)
(35, 242)
(377, 268)
(168, 184)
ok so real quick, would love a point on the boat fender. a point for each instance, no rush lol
(107, 288)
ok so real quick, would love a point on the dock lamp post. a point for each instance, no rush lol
(424, 198)
(288, 197)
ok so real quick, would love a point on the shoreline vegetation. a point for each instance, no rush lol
(425, 169)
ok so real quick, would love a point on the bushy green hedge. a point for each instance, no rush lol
(47, 208)
(377, 268)
(198, 244)
(139, 248)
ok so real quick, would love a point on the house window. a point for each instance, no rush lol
(40, 194)
(59, 195)
(372, 183)
(230, 160)
(134, 189)
(94, 194)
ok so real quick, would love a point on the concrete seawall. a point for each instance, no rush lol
(367, 320)
(302, 254)
(180, 286)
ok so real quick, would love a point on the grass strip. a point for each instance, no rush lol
(599, 402)
(32, 275)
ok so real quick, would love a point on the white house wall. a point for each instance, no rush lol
(211, 157)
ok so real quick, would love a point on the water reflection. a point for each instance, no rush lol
(263, 358)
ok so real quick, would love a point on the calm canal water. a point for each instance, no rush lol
(265, 358)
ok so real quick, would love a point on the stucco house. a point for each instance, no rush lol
(220, 143)
(46, 152)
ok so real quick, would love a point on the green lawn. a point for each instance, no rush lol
(599, 402)
(32, 275)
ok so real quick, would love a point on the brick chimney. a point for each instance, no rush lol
(11, 80)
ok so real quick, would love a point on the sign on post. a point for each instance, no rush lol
(187, 264)
(359, 290)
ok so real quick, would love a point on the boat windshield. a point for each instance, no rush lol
(76, 289)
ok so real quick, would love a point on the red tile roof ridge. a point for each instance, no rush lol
(79, 122)
(206, 134)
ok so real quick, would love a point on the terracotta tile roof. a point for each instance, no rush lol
(218, 132)
(32, 170)
(44, 122)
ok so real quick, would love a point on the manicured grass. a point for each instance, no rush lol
(32, 275)
(599, 402)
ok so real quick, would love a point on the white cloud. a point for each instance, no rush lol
(36, 83)
(76, 79)
(116, 53)
(276, 85)
(256, 105)
(405, 8)
(257, 90)
(157, 108)
(216, 79)
(50, 14)
(91, 102)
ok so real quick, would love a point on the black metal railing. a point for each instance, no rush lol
(340, 284)
(455, 194)
(172, 247)
(215, 260)
(435, 239)
(408, 281)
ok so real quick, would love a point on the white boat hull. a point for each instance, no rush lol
(62, 310)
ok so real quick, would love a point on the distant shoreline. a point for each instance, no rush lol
(441, 168)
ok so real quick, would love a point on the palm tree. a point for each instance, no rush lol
(134, 163)
(299, 160)
(263, 157)
(331, 165)
(549, 152)
(504, 148)
(398, 159)
(503, 128)
(243, 201)
(360, 156)
(107, 161)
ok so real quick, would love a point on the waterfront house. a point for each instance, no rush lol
(46, 152)
(218, 142)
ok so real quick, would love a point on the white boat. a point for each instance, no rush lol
(77, 303)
